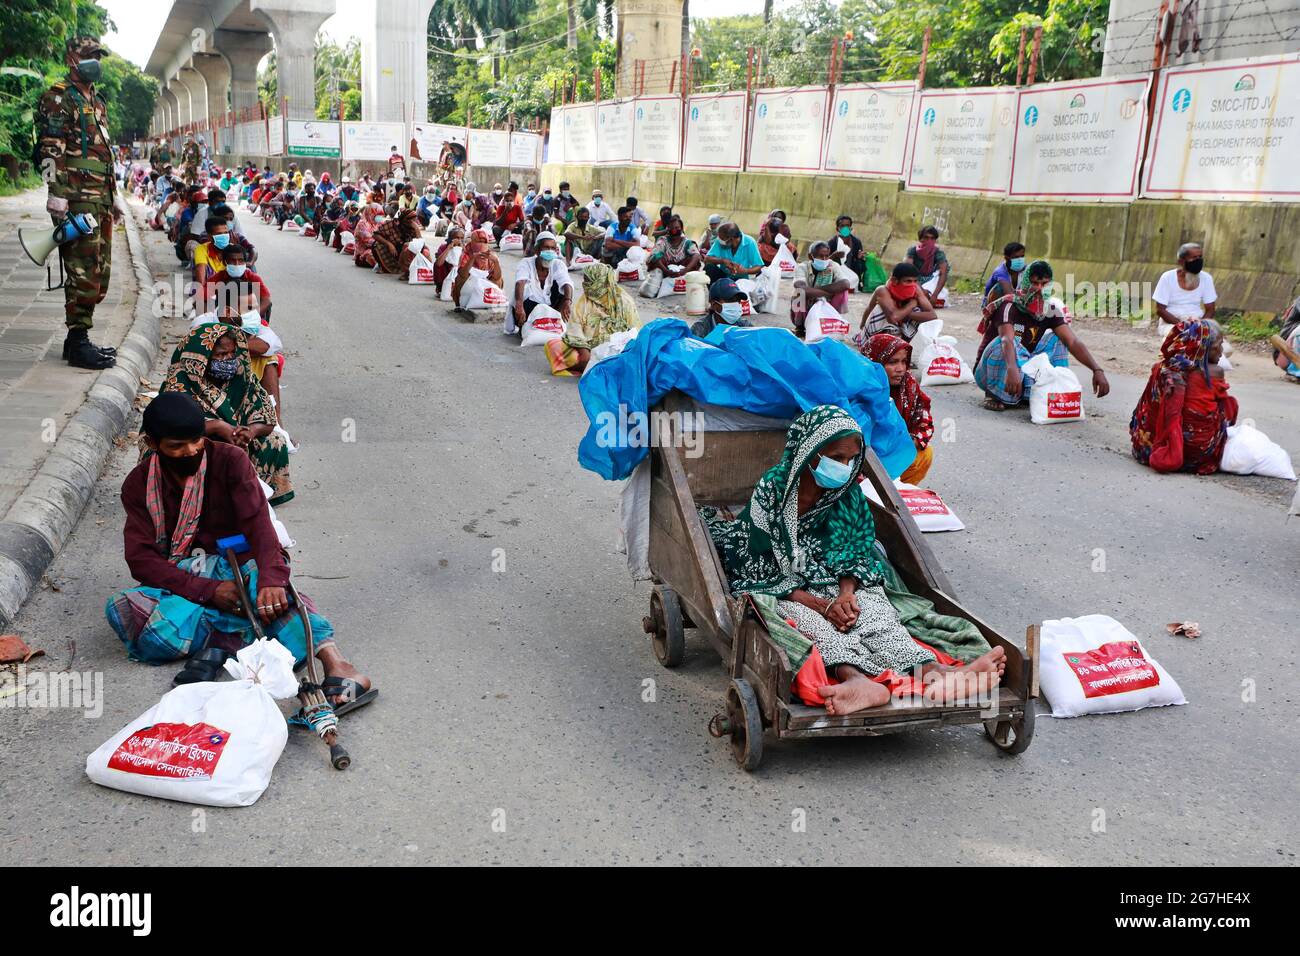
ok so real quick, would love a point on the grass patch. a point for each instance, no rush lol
(1247, 326)
(11, 187)
(965, 286)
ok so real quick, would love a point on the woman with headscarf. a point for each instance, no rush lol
(213, 367)
(391, 239)
(804, 548)
(364, 236)
(478, 255)
(912, 403)
(602, 310)
(1016, 328)
(773, 226)
(1181, 421)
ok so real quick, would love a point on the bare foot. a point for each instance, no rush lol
(856, 693)
(974, 681)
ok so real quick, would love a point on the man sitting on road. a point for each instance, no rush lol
(510, 216)
(187, 493)
(542, 279)
(820, 279)
(733, 255)
(582, 235)
(601, 212)
(619, 239)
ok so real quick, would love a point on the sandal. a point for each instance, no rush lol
(203, 666)
(993, 405)
(348, 691)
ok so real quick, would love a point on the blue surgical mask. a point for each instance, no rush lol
(236, 270)
(547, 255)
(1018, 264)
(221, 240)
(820, 264)
(531, 194)
(732, 312)
(596, 201)
(830, 473)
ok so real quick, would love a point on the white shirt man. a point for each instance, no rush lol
(601, 212)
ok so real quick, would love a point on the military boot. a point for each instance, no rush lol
(107, 350)
(80, 353)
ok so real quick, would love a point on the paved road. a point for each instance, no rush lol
(518, 694)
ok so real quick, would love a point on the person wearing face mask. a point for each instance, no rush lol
(603, 310)
(510, 216)
(209, 254)
(530, 197)
(600, 211)
(75, 156)
(363, 254)
(620, 238)
(820, 279)
(1018, 327)
(212, 366)
(733, 255)
(542, 279)
(566, 204)
(546, 201)
(196, 204)
(773, 226)
(537, 222)
(846, 248)
(897, 307)
(931, 264)
(581, 236)
(186, 494)
(191, 159)
(1186, 292)
(674, 254)
(477, 257)
(804, 549)
(1004, 278)
(710, 232)
(725, 308)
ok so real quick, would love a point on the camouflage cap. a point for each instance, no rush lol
(84, 47)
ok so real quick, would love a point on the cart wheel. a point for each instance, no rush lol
(1012, 736)
(667, 635)
(745, 724)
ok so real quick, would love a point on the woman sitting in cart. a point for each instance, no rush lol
(807, 539)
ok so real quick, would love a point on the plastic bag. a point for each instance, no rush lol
(612, 346)
(650, 288)
(926, 507)
(942, 364)
(874, 275)
(926, 332)
(479, 293)
(420, 271)
(1248, 451)
(581, 261)
(672, 285)
(213, 743)
(632, 268)
(1093, 665)
(824, 321)
(511, 242)
(1056, 395)
(784, 260)
(766, 291)
(453, 260)
(543, 324)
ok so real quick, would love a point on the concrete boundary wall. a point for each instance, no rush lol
(1252, 249)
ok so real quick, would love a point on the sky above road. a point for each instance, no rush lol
(139, 23)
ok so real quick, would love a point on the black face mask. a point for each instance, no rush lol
(1194, 265)
(184, 466)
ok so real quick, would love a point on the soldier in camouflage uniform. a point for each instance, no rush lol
(76, 161)
(191, 157)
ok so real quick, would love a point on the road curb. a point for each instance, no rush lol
(40, 521)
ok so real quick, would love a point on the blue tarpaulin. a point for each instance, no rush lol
(766, 371)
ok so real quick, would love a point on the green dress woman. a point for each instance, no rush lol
(212, 365)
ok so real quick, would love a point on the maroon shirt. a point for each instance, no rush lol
(233, 503)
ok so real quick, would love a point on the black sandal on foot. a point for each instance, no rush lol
(993, 405)
(203, 666)
(345, 694)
